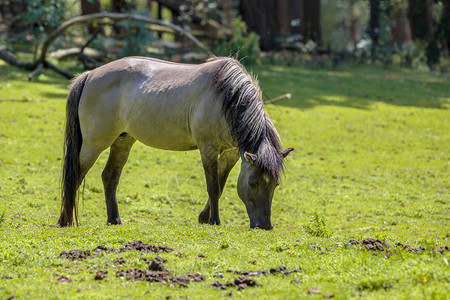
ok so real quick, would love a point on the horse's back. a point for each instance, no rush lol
(157, 102)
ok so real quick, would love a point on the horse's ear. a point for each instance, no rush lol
(286, 152)
(251, 158)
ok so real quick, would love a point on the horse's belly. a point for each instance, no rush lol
(168, 144)
(163, 137)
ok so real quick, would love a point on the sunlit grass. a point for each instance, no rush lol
(371, 158)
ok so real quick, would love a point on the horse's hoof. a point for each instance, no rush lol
(116, 221)
(203, 218)
(214, 222)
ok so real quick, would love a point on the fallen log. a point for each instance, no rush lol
(14, 61)
(42, 61)
(117, 16)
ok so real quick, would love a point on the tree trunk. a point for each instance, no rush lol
(90, 7)
(445, 24)
(311, 28)
(227, 13)
(296, 7)
(374, 22)
(355, 27)
(418, 14)
(421, 17)
(120, 6)
(284, 18)
(261, 18)
(400, 28)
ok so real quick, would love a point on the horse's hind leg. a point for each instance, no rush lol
(118, 156)
(88, 156)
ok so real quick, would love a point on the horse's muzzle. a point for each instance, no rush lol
(263, 225)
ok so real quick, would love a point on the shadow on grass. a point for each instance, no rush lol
(11, 73)
(355, 87)
(55, 95)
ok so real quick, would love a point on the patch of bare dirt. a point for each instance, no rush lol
(319, 292)
(64, 280)
(75, 254)
(141, 246)
(373, 244)
(133, 245)
(100, 275)
(157, 272)
(379, 245)
(120, 261)
(281, 270)
(241, 282)
(157, 264)
(163, 277)
(443, 249)
(409, 248)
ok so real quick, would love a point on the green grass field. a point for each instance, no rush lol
(371, 160)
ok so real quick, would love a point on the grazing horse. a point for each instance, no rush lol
(215, 107)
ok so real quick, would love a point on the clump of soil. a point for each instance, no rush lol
(157, 272)
(64, 280)
(133, 245)
(120, 261)
(183, 280)
(157, 264)
(241, 282)
(376, 244)
(249, 273)
(317, 291)
(409, 248)
(283, 271)
(75, 254)
(100, 275)
(373, 244)
(101, 248)
(444, 249)
(141, 246)
(163, 277)
(143, 275)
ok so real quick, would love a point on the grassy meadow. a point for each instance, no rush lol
(371, 160)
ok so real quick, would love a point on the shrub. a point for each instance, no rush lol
(242, 45)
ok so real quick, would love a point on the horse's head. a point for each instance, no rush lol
(255, 188)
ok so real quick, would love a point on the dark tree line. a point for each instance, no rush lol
(279, 23)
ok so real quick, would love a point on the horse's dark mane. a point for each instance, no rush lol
(243, 108)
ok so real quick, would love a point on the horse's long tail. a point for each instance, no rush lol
(73, 140)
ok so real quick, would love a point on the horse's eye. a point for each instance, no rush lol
(253, 184)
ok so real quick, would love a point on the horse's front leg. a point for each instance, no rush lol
(210, 156)
(226, 162)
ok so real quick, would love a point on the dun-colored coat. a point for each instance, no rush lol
(215, 107)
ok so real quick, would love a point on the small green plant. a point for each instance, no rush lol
(243, 45)
(317, 227)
